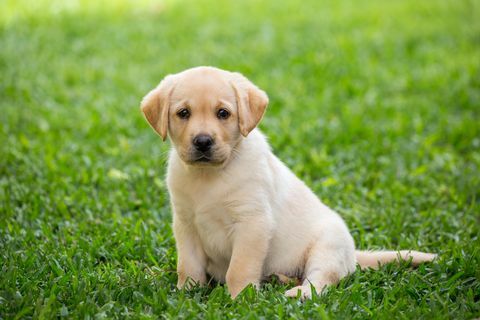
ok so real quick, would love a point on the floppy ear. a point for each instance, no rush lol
(155, 106)
(251, 102)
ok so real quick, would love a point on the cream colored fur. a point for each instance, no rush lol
(245, 215)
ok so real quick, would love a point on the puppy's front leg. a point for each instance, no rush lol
(250, 246)
(192, 261)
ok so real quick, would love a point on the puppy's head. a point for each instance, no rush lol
(205, 111)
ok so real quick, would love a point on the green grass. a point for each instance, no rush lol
(375, 104)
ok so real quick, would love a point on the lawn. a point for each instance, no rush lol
(374, 104)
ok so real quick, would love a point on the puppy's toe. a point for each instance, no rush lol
(305, 292)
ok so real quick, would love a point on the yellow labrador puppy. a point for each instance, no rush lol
(239, 214)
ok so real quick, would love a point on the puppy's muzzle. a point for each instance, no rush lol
(203, 144)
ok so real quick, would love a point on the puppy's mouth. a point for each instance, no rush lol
(205, 159)
(202, 158)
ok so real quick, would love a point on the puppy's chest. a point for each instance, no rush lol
(212, 218)
(214, 227)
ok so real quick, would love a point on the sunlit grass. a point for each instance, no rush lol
(13, 11)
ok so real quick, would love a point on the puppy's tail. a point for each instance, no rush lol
(374, 259)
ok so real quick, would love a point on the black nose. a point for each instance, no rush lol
(203, 142)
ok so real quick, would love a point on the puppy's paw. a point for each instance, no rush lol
(236, 290)
(305, 292)
(189, 283)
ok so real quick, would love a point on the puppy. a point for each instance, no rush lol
(239, 214)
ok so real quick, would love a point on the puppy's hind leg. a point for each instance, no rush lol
(325, 265)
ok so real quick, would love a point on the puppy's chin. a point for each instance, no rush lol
(194, 159)
(205, 164)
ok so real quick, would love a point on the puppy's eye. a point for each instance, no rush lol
(183, 114)
(223, 114)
